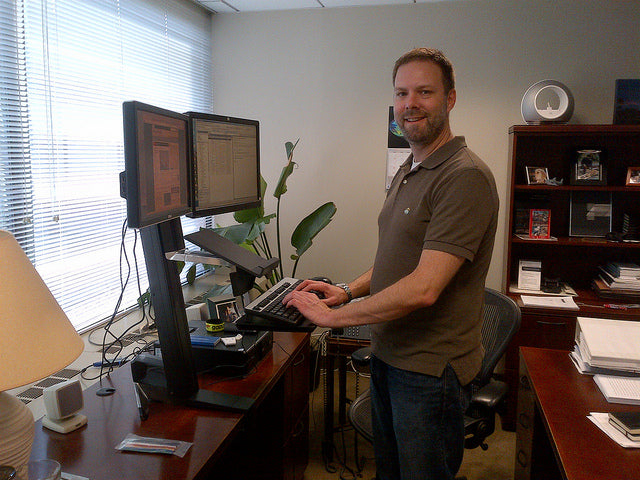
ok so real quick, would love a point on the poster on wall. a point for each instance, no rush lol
(397, 148)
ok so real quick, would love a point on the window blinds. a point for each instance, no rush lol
(66, 67)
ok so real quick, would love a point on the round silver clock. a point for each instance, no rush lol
(547, 101)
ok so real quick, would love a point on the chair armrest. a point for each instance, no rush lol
(490, 395)
(361, 357)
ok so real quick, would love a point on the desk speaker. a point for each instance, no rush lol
(62, 402)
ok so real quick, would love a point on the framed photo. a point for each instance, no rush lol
(633, 177)
(590, 214)
(539, 223)
(626, 109)
(588, 168)
(537, 175)
(223, 308)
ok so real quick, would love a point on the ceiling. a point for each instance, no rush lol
(233, 6)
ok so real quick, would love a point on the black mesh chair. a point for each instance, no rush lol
(488, 395)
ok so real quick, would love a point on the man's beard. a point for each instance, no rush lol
(423, 135)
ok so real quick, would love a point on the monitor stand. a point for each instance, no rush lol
(176, 381)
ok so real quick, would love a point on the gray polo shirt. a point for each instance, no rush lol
(449, 203)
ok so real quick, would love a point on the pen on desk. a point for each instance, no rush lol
(142, 410)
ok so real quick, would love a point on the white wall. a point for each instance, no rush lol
(324, 76)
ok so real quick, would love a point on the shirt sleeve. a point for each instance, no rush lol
(464, 206)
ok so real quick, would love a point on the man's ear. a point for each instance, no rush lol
(451, 99)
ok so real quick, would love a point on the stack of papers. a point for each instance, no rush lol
(610, 344)
(610, 350)
(549, 302)
(619, 389)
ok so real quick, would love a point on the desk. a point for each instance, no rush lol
(554, 437)
(338, 349)
(273, 434)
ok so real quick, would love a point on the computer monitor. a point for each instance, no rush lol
(225, 171)
(156, 152)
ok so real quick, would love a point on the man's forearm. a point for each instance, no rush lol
(360, 287)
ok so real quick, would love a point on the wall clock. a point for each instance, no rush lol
(547, 101)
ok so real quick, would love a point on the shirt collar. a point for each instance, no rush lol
(440, 155)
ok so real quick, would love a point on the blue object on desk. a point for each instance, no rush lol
(204, 340)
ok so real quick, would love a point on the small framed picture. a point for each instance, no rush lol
(626, 109)
(223, 308)
(537, 175)
(539, 223)
(633, 176)
(590, 214)
(588, 168)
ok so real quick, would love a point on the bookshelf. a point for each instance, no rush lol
(571, 258)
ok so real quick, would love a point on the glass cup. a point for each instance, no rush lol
(41, 470)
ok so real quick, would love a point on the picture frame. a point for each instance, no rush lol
(539, 223)
(633, 177)
(537, 175)
(223, 309)
(626, 108)
(588, 167)
(590, 214)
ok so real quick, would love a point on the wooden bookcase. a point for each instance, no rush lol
(574, 260)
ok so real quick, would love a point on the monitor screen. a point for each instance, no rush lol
(226, 164)
(156, 151)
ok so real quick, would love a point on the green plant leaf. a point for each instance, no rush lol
(310, 226)
(191, 274)
(236, 233)
(281, 187)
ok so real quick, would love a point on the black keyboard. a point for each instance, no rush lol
(269, 304)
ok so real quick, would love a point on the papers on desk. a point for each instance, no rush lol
(611, 344)
(549, 302)
(601, 420)
(619, 389)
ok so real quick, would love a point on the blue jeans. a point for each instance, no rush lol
(418, 423)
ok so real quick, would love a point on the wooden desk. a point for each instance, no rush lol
(554, 437)
(269, 441)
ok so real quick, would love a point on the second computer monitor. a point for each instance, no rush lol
(226, 164)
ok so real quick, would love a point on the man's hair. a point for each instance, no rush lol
(429, 55)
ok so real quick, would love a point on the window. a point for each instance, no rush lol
(66, 66)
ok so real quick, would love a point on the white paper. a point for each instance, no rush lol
(601, 420)
(549, 302)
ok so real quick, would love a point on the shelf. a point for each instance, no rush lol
(574, 188)
(577, 242)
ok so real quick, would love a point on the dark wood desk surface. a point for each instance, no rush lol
(90, 451)
(565, 398)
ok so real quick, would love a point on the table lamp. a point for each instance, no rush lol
(36, 340)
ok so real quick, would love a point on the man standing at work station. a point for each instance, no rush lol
(426, 286)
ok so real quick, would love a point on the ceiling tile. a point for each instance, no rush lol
(260, 5)
(216, 5)
(358, 3)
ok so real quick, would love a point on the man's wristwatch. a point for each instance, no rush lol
(347, 290)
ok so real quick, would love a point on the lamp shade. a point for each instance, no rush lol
(36, 337)
(36, 340)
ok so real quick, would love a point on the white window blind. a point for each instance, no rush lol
(66, 67)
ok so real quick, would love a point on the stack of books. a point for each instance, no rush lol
(618, 280)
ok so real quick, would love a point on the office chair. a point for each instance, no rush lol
(501, 320)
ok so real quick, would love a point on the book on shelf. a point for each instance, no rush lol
(626, 283)
(624, 269)
(604, 291)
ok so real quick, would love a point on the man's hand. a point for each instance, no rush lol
(330, 294)
(313, 307)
